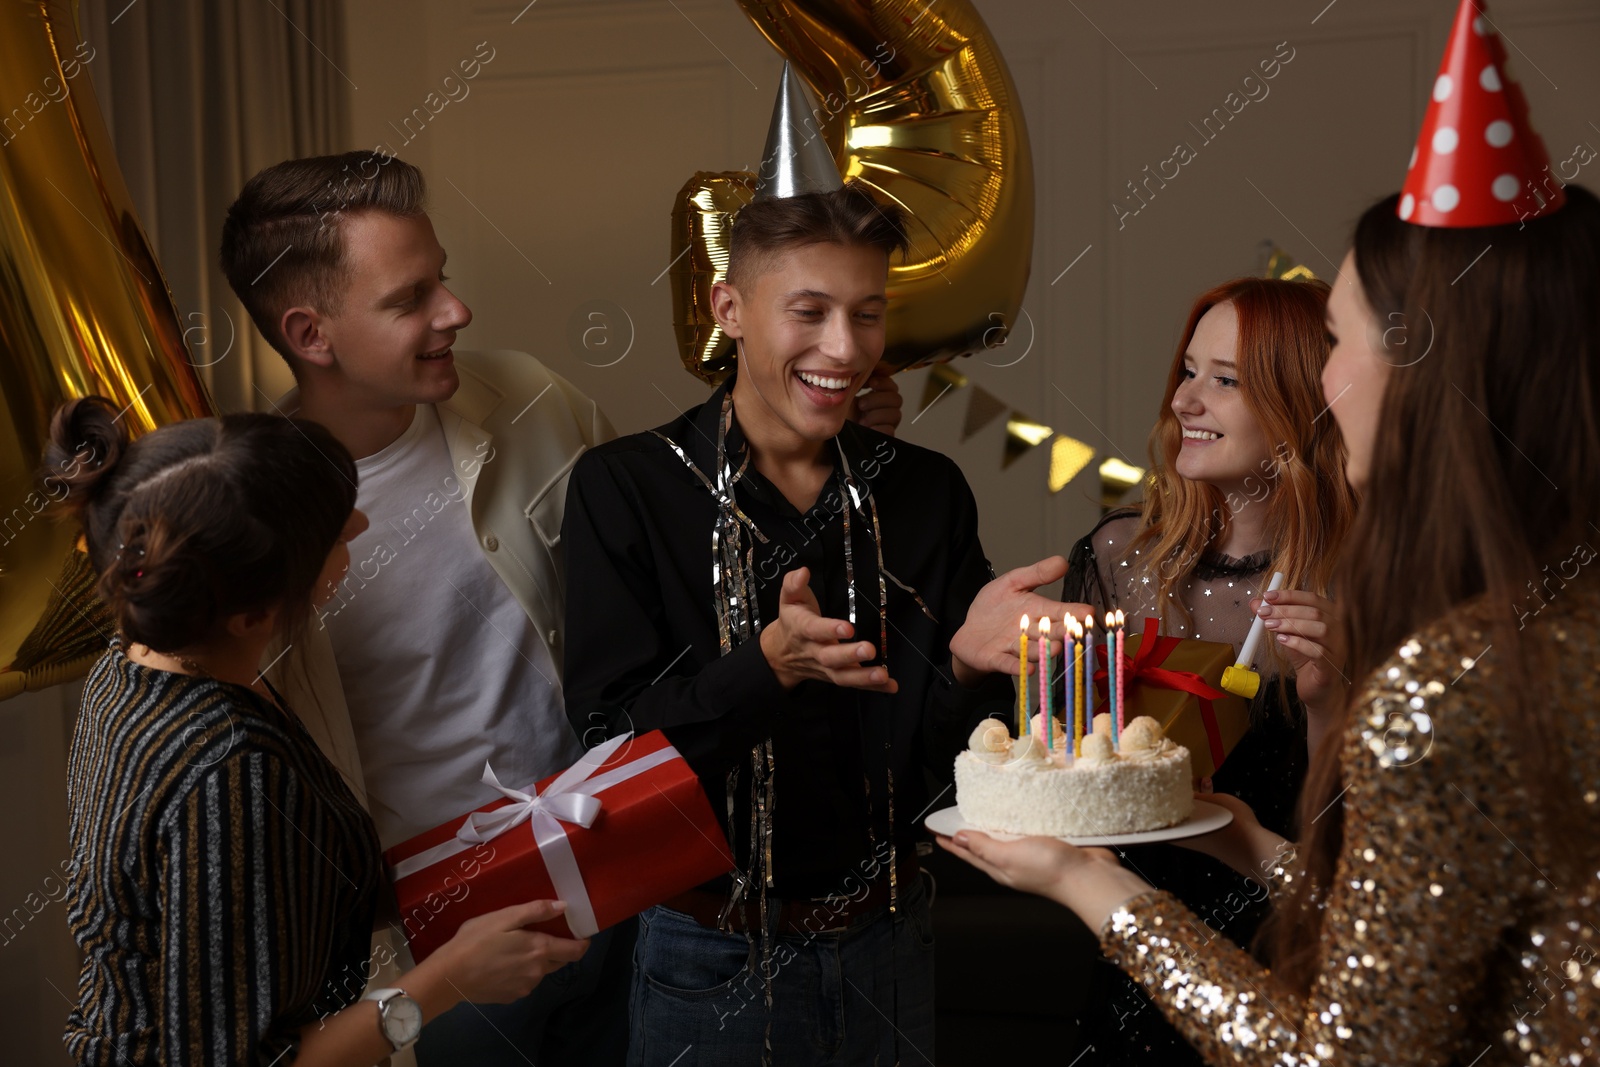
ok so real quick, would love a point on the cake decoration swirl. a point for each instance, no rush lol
(990, 742)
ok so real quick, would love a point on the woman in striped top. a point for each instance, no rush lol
(226, 880)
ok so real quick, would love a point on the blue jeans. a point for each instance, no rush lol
(863, 995)
(577, 1015)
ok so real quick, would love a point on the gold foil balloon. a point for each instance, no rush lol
(83, 309)
(702, 222)
(916, 102)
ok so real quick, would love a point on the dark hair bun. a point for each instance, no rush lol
(85, 444)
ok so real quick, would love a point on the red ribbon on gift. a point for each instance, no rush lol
(1144, 668)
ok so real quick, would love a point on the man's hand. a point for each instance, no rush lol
(879, 409)
(801, 644)
(987, 641)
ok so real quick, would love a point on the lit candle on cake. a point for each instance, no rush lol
(1022, 681)
(1085, 682)
(1122, 695)
(1088, 659)
(1044, 684)
(1111, 670)
(1068, 652)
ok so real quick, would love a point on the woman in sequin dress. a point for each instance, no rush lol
(1247, 480)
(1441, 906)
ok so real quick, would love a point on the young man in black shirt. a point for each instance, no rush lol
(803, 605)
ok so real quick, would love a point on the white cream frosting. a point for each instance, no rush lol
(1144, 786)
(1028, 748)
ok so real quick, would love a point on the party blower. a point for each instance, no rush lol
(1239, 679)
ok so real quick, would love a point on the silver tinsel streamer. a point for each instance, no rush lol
(733, 582)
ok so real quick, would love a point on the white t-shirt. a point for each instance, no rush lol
(442, 669)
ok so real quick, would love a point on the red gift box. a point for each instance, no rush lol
(623, 829)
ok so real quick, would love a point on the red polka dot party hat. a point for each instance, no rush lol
(1478, 161)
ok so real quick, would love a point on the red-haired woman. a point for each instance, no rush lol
(1247, 479)
(1442, 904)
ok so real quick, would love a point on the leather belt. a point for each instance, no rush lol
(803, 917)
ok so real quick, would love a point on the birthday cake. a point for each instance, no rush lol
(1143, 781)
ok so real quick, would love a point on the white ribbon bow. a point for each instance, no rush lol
(559, 801)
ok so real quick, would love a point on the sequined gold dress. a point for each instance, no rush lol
(1446, 939)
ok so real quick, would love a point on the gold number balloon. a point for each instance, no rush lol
(83, 309)
(916, 102)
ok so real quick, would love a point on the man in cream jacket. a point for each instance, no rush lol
(509, 468)
(441, 647)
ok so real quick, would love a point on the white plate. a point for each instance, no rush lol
(1205, 818)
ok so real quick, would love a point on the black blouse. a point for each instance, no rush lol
(643, 646)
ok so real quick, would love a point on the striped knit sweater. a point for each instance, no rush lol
(225, 879)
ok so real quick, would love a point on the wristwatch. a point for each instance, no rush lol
(399, 1017)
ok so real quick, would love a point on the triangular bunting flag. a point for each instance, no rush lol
(941, 379)
(1022, 433)
(1116, 478)
(983, 407)
(1068, 456)
(1282, 266)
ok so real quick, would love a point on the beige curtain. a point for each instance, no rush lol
(199, 95)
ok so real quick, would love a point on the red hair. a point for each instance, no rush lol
(1283, 345)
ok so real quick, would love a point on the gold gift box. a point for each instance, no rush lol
(1177, 711)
